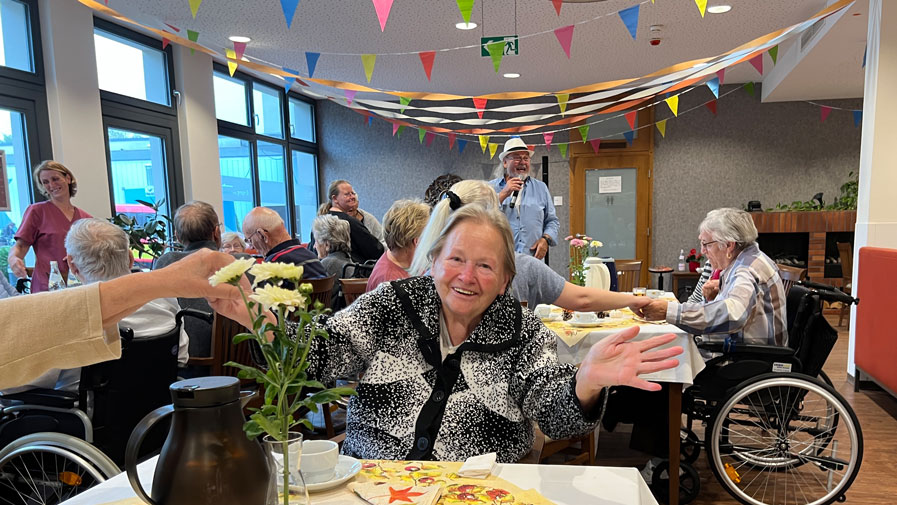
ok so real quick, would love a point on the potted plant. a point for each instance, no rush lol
(694, 260)
(147, 239)
(284, 375)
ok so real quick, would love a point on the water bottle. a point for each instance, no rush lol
(56, 281)
(681, 260)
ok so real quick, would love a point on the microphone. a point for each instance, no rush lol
(515, 194)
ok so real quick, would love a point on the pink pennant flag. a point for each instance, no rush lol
(557, 5)
(720, 74)
(382, 7)
(165, 43)
(596, 144)
(175, 28)
(395, 128)
(757, 62)
(548, 138)
(350, 95)
(480, 104)
(451, 137)
(428, 138)
(426, 59)
(239, 49)
(824, 112)
(565, 37)
(630, 118)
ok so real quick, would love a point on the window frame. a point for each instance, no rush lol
(111, 96)
(288, 142)
(37, 53)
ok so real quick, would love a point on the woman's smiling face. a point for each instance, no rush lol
(55, 184)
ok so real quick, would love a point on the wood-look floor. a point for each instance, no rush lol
(877, 413)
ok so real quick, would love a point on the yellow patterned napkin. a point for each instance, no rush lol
(384, 493)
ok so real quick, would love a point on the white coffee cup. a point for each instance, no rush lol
(542, 310)
(654, 293)
(585, 317)
(319, 458)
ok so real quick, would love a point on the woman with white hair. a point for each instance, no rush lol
(334, 247)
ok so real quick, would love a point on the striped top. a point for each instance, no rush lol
(750, 305)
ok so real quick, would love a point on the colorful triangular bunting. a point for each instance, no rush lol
(662, 127)
(311, 60)
(596, 144)
(426, 59)
(584, 132)
(774, 54)
(629, 17)
(175, 28)
(231, 64)
(465, 6)
(194, 6)
(350, 95)
(193, 36)
(493, 147)
(673, 102)
(239, 49)
(480, 104)
(368, 60)
(484, 141)
(713, 84)
(428, 138)
(421, 133)
(165, 43)
(557, 5)
(562, 101)
(563, 149)
(395, 128)
(720, 74)
(461, 145)
(496, 52)
(749, 87)
(857, 117)
(702, 6)
(712, 106)
(404, 101)
(451, 137)
(401, 129)
(629, 136)
(289, 9)
(548, 138)
(630, 118)
(824, 112)
(757, 62)
(289, 80)
(382, 7)
(565, 38)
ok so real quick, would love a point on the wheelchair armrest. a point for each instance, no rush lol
(756, 349)
(199, 314)
(46, 397)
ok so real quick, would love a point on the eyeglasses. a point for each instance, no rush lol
(259, 230)
(705, 244)
(517, 158)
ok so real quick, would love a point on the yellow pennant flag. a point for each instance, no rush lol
(194, 6)
(484, 141)
(662, 127)
(673, 102)
(492, 149)
(368, 60)
(231, 63)
(562, 101)
(702, 6)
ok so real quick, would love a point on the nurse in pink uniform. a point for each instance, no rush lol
(45, 225)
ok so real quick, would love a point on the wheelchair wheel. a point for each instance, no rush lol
(777, 439)
(49, 468)
(689, 482)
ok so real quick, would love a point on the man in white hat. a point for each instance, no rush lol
(526, 201)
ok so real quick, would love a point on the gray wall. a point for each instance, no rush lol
(774, 152)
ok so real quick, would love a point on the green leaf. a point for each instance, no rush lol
(325, 397)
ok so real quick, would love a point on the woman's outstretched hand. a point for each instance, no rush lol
(617, 361)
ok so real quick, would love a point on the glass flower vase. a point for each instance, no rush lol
(279, 452)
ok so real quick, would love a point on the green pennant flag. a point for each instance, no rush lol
(749, 87)
(774, 54)
(584, 133)
(465, 6)
(421, 133)
(562, 101)
(404, 101)
(563, 149)
(193, 36)
(399, 131)
(368, 60)
(496, 52)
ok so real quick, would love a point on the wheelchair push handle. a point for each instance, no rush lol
(830, 293)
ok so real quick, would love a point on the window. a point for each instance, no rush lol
(263, 163)
(131, 69)
(15, 27)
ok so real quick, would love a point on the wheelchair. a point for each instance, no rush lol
(775, 429)
(56, 444)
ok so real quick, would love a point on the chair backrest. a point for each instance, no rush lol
(790, 275)
(321, 290)
(223, 348)
(629, 272)
(845, 251)
(358, 270)
(353, 288)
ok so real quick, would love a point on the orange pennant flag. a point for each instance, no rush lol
(231, 64)
(451, 137)
(557, 5)
(426, 59)
(484, 141)
(480, 104)
(630, 118)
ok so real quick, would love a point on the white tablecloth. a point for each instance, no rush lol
(565, 485)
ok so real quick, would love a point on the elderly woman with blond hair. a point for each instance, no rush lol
(45, 225)
(402, 224)
(453, 367)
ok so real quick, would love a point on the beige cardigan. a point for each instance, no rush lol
(58, 329)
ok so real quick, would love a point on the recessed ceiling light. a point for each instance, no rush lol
(719, 9)
(237, 38)
(465, 26)
(511, 75)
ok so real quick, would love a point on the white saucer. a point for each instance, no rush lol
(346, 468)
(577, 324)
(552, 317)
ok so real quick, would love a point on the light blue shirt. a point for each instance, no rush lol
(533, 214)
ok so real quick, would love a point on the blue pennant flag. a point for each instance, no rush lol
(857, 117)
(713, 84)
(289, 8)
(629, 136)
(312, 60)
(370, 120)
(630, 19)
(290, 80)
(461, 145)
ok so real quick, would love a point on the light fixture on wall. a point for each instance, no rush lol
(465, 26)
(511, 75)
(238, 38)
(719, 9)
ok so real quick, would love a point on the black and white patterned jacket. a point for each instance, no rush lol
(482, 398)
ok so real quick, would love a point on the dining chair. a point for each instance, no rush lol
(845, 251)
(790, 275)
(321, 290)
(575, 451)
(353, 288)
(629, 274)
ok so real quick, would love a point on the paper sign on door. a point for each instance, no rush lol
(612, 184)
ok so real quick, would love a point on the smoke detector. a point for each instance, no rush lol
(654, 32)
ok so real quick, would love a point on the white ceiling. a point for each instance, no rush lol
(602, 49)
